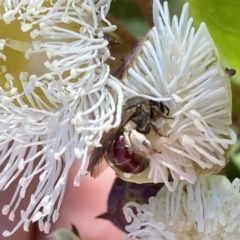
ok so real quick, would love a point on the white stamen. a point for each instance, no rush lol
(5, 209)
(207, 209)
(68, 77)
(180, 65)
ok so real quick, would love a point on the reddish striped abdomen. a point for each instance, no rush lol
(125, 160)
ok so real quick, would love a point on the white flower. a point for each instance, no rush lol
(57, 98)
(208, 209)
(176, 63)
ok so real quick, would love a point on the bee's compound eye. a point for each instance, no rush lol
(158, 109)
(125, 160)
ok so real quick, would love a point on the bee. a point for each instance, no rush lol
(126, 146)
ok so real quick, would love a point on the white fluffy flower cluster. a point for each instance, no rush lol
(178, 63)
(208, 209)
(57, 98)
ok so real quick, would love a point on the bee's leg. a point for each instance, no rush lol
(154, 128)
(151, 150)
(139, 143)
(166, 117)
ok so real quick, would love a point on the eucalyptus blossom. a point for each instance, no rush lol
(208, 209)
(179, 64)
(57, 97)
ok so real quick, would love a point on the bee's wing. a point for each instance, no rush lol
(97, 155)
(99, 168)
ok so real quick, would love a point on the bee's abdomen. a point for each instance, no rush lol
(125, 160)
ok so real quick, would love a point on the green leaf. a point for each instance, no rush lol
(223, 21)
(64, 234)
